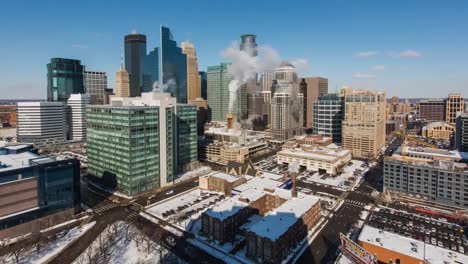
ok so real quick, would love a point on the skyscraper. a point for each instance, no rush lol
(328, 115)
(218, 91)
(135, 51)
(122, 83)
(364, 122)
(286, 104)
(203, 84)
(461, 133)
(193, 78)
(316, 86)
(150, 69)
(76, 116)
(95, 85)
(41, 123)
(248, 44)
(64, 77)
(173, 67)
(455, 106)
(139, 161)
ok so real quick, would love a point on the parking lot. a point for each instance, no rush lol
(269, 164)
(435, 231)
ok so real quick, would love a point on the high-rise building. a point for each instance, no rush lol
(95, 85)
(454, 106)
(122, 83)
(193, 78)
(41, 123)
(461, 133)
(136, 161)
(316, 86)
(37, 192)
(64, 77)
(8, 115)
(203, 84)
(328, 116)
(76, 116)
(286, 104)
(107, 94)
(135, 51)
(218, 91)
(173, 68)
(248, 44)
(150, 69)
(364, 122)
(432, 110)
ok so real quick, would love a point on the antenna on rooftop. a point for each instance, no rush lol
(121, 56)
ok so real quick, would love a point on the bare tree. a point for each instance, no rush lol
(138, 239)
(129, 231)
(161, 252)
(37, 240)
(18, 249)
(148, 244)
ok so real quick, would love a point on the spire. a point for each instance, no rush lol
(121, 57)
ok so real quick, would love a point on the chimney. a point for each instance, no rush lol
(294, 187)
(231, 119)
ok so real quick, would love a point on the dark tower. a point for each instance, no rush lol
(303, 90)
(64, 77)
(249, 45)
(135, 51)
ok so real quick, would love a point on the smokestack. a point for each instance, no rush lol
(231, 119)
(294, 187)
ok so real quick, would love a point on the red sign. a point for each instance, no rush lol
(356, 251)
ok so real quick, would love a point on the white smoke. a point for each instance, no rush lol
(168, 87)
(244, 67)
(301, 65)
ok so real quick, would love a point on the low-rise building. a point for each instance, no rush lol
(326, 160)
(433, 154)
(220, 182)
(389, 247)
(438, 130)
(36, 192)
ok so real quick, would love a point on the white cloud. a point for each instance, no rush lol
(410, 54)
(366, 54)
(378, 68)
(363, 76)
(302, 65)
(79, 46)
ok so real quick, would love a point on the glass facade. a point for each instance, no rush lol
(218, 91)
(123, 142)
(186, 135)
(135, 51)
(58, 189)
(328, 115)
(173, 67)
(64, 77)
(203, 84)
(150, 70)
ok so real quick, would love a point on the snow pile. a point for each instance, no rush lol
(363, 215)
(192, 174)
(43, 248)
(122, 243)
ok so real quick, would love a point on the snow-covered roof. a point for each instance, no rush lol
(224, 176)
(15, 161)
(279, 220)
(433, 153)
(234, 204)
(272, 176)
(325, 154)
(437, 124)
(258, 183)
(409, 247)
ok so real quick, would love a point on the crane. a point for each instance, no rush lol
(411, 138)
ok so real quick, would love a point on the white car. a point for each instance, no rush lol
(433, 241)
(461, 249)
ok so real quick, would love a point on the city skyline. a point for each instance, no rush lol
(409, 52)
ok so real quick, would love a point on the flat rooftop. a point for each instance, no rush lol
(16, 161)
(325, 154)
(279, 220)
(224, 176)
(258, 183)
(234, 204)
(409, 247)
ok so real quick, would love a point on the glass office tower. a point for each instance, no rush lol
(328, 116)
(203, 84)
(173, 67)
(150, 70)
(64, 77)
(186, 136)
(135, 51)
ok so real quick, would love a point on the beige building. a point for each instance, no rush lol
(220, 182)
(364, 122)
(440, 130)
(326, 160)
(316, 86)
(122, 83)
(454, 105)
(193, 78)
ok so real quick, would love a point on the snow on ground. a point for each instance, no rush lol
(368, 207)
(344, 180)
(122, 243)
(184, 210)
(49, 250)
(363, 215)
(194, 173)
(342, 259)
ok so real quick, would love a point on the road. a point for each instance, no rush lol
(106, 212)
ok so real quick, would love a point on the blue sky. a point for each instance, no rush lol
(408, 48)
